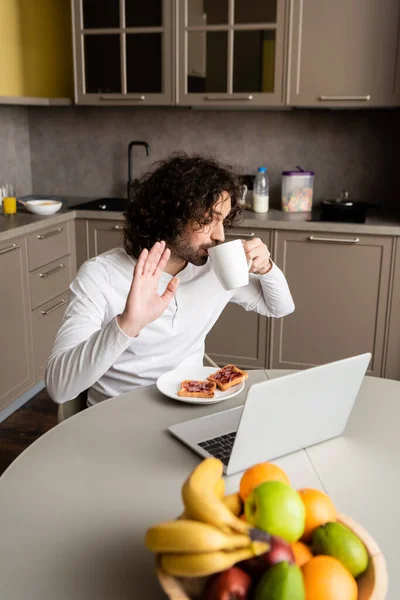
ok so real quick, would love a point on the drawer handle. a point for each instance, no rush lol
(50, 310)
(59, 268)
(9, 249)
(117, 97)
(229, 98)
(334, 240)
(242, 235)
(47, 235)
(346, 98)
(118, 227)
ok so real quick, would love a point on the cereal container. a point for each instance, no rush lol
(297, 191)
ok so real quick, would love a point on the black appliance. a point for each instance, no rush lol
(106, 204)
(342, 210)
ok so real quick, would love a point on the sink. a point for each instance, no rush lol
(104, 204)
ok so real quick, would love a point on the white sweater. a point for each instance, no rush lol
(91, 351)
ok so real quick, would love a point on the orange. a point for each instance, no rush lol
(258, 474)
(325, 578)
(302, 553)
(319, 510)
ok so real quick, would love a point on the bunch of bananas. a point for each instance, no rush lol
(208, 537)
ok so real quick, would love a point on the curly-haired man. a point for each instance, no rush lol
(139, 311)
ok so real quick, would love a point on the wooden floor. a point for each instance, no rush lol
(25, 426)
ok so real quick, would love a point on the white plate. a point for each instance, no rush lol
(169, 384)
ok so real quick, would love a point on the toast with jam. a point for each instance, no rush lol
(228, 376)
(191, 388)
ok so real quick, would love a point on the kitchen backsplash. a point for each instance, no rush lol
(15, 163)
(83, 150)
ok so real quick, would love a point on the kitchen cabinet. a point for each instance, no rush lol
(35, 272)
(340, 286)
(344, 54)
(16, 364)
(46, 322)
(231, 52)
(123, 51)
(49, 285)
(104, 235)
(239, 336)
(392, 368)
(95, 236)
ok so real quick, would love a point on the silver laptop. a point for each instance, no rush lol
(279, 416)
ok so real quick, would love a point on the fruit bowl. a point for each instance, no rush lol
(372, 584)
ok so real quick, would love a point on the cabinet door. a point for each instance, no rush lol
(123, 51)
(16, 362)
(46, 322)
(103, 236)
(231, 52)
(340, 287)
(344, 53)
(392, 367)
(239, 336)
(81, 236)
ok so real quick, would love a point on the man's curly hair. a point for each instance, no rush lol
(180, 190)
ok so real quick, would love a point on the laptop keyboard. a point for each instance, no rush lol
(220, 447)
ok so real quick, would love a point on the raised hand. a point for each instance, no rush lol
(144, 304)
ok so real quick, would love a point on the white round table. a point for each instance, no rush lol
(74, 507)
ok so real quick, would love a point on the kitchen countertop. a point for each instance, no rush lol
(376, 224)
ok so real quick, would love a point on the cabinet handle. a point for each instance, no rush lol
(59, 268)
(9, 249)
(123, 98)
(229, 98)
(346, 98)
(243, 235)
(49, 234)
(50, 310)
(118, 227)
(334, 240)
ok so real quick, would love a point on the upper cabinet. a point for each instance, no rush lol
(237, 53)
(231, 52)
(123, 51)
(344, 54)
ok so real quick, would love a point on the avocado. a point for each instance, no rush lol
(282, 581)
(337, 540)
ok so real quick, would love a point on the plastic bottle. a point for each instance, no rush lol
(261, 191)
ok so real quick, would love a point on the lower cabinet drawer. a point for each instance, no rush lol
(49, 281)
(46, 321)
(52, 242)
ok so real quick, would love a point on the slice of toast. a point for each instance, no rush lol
(190, 388)
(228, 376)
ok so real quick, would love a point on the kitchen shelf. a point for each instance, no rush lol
(35, 101)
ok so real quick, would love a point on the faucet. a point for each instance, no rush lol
(130, 180)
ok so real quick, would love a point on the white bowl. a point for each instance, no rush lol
(42, 207)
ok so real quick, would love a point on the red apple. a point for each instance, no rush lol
(232, 584)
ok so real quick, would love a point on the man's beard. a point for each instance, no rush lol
(183, 250)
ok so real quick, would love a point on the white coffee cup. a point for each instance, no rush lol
(230, 264)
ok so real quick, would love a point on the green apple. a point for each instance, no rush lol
(276, 508)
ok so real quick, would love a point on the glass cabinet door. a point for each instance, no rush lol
(123, 51)
(231, 52)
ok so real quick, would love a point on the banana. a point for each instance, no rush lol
(234, 503)
(191, 537)
(201, 501)
(219, 492)
(207, 563)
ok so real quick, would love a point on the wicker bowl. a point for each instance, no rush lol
(372, 585)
